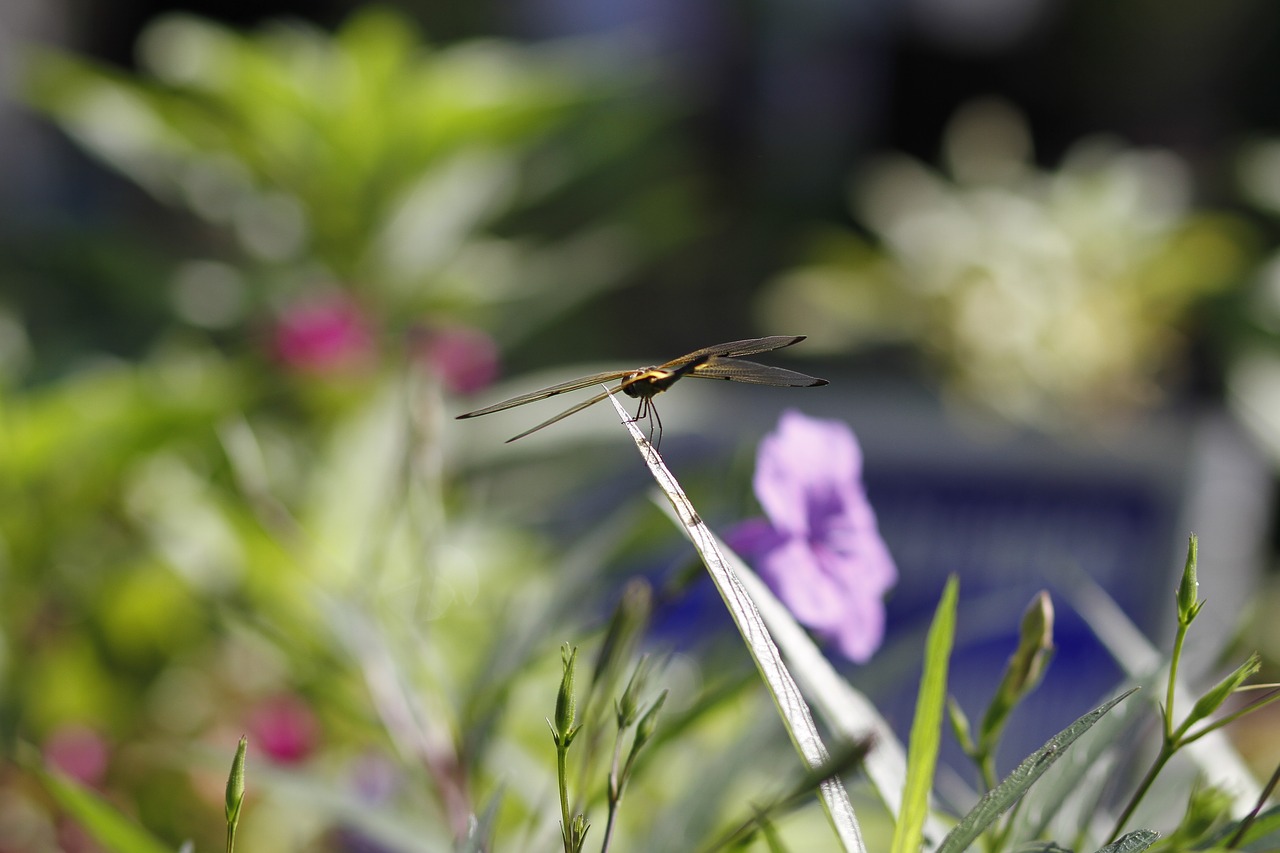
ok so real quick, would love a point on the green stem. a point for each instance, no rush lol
(562, 756)
(1166, 752)
(615, 793)
(987, 767)
(1178, 640)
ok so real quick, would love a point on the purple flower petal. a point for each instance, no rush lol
(861, 631)
(794, 572)
(803, 468)
(753, 538)
(820, 550)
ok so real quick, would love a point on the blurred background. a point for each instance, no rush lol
(253, 263)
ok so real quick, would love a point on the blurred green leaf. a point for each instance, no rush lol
(1263, 833)
(370, 151)
(99, 818)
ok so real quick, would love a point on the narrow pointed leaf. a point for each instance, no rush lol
(1004, 795)
(1068, 794)
(1132, 842)
(926, 728)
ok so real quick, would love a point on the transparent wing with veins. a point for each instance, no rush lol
(713, 362)
(551, 391)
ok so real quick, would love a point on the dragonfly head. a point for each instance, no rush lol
(648, 382)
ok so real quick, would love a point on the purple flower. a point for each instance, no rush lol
(819, 549)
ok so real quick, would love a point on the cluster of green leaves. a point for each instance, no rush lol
(451, 179)
(998, 820)
(633, 720)
(1207, 823)
(185, 531)
(168, 519)
(995, 821)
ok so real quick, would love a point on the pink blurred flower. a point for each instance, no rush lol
(323, 336)
(79, 752)
(819, 549)
(284, 728)
(466, 359)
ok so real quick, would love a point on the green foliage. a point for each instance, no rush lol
(235, 792)
(104, 823)
(1003, 797)
(1133, 842)
(926, 726)
(412, 175)
(292, 125)
(190, 537)
(1022, 674)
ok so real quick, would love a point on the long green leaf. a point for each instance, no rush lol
(926, 727)
(848, 712)
(1004, 795)
(1132, 842)
(790, 702)
(1068, 794)
(99, 818)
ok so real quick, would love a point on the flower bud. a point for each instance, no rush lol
(1188, 588)
(566, 703)
(235, 783)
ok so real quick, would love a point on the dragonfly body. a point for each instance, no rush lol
(714, 362)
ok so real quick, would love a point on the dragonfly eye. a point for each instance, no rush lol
(634, 384)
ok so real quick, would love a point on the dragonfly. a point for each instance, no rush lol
(714, 362)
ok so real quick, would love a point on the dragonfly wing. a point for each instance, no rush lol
(755, 374)
(578, 408)
(571, 385)
(734, 349)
